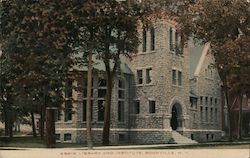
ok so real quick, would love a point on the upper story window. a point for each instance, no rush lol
(215, 101)
(68, 93)
(152, 39)
(151, 106)
(211, 101)
(201, 100)
(148, 75)
(139, 77)
(137, 106)
(206, 100)
(144, 40)
(171, 44)
(174, 78)
(179, 78)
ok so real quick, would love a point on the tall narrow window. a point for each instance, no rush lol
(152, 39)
(206, 100)
(101, 110)
(121, 111)
(215, 101)
(57, 115)
(179, 78)
(68, 110)
(68, 93)
(139, 77)
(84, 110)
(174, 77)
(144, 40)
(148, 75)
(211, 115)
(216, 114)
(211, 101)
(176, 42)
(201, 100)
(171, 45)
(151, 106)
(201, 113)
(137, 107)
(206, 114)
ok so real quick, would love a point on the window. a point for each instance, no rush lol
(216, 114)
(139, 77)
(171, 45)
(85, 84)
(211, 115)
(144, 40)
(174, 77)
(101, 93)
(148, 75)
(121, 94)
(207, 136)
(67, 137)
(68, 110)
(179, 78)
(206, 100)
(192, 136)
(84, 110)
(206, 114)
(57, 115)
(121, 84)
(193, 102)
(68, 93)
(201, 100)
(101, 110)
(151, 106)
(58, 137)
(152, 39)
(121, 111)
(201, 113)
(215, 101)
(121, 137)
(212, 136)
(102, 82)
(211, 101)
(137, 107)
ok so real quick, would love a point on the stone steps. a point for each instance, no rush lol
(180, 139)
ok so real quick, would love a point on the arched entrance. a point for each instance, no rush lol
(176, 119)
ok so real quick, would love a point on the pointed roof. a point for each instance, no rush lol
(197, 57)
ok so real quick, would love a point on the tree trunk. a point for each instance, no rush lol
(89, 89)
(42, 113)
(10, 127)
(106, 128)
(33, 125)
(240, 118)
(50, 128)
(229, 115)
(6, 123)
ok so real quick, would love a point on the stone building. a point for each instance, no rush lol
(164, 90)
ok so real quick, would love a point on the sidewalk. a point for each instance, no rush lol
(135, 146)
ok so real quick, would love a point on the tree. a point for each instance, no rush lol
(225, 24)
(37, 36)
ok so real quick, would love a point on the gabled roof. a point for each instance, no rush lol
(197, 57)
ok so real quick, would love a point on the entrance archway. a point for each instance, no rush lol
(176, 119)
